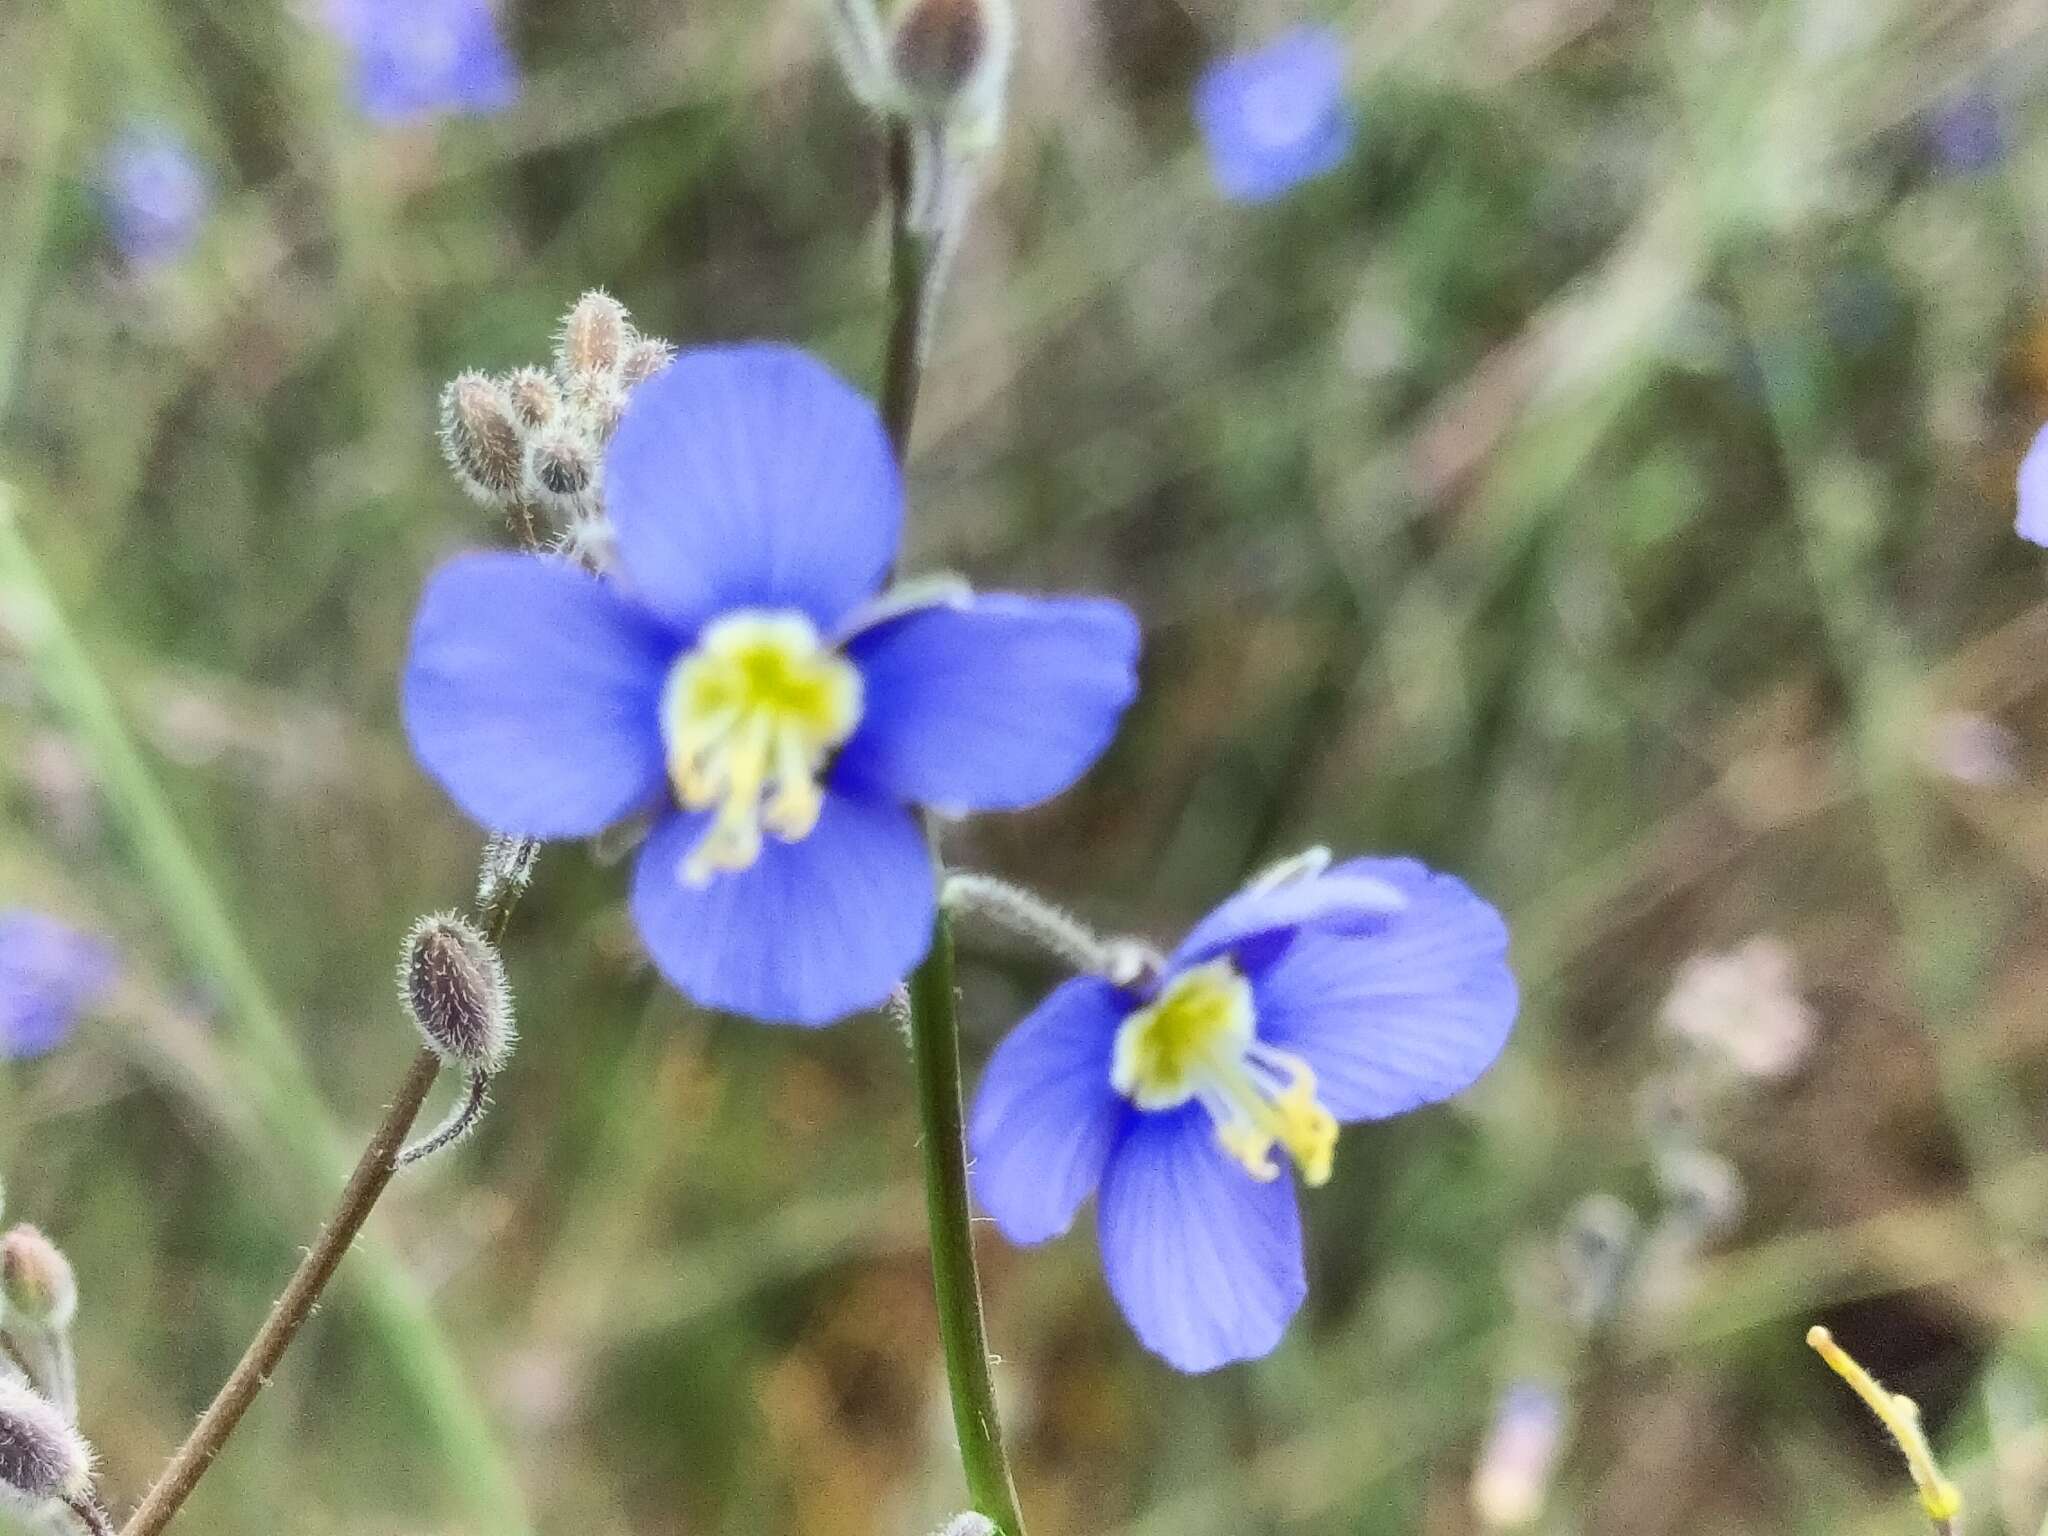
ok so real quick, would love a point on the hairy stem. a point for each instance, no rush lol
(373, 1172)
(935, 1047)
(265, 1057)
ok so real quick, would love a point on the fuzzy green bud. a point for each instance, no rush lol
(36, 1280)
(453, 984)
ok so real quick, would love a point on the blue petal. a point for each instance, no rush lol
(1275, 116)
(1399, 1016)
(414, 58)
(1204, 1259)
(532, 692)
(2032, 524)
(810, 932)
(752, 477)
(49, 974)
(1347, 894)
(992, 705)
(1045, 1115)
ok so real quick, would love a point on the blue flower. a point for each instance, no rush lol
(1297, 1005)
(414, 58)
(1276, 116)
(49, 975)
(1970, 133)
(2032, 522)
(738, 679)
(155, 194)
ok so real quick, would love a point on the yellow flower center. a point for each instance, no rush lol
(749, 718)
(1198, 1041)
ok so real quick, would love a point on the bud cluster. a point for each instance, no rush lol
(530, 443)
(43, 1460)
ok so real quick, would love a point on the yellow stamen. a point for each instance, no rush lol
(1900, 1416)
(1197, 1041)
(749, 718)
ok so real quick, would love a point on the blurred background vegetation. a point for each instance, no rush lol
(1600, 486)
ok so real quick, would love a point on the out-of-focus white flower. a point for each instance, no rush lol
(1972, 749)
(1744, 1006)
(1511, 1482)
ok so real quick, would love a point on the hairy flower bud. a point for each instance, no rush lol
(36, 1280)
(534, 397)
(41, 1456)
(646, 357)
(454, 986)
(593, 336)
(481, 440)
(562, 468)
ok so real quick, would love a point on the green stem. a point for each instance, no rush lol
(934, 1021)
(909, 304)
(935, 1048)
(263, 1051)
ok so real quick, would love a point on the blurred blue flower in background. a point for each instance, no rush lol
(738, 679)
(1970, 133)
(1352, 994)
(155, 194)
(414, 58)
(1276, 116)
(50, 973)
(2032, 522)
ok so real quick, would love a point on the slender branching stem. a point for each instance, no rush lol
(288, 1315)
(90, 1515)
(935, 1048)
(934, 1021)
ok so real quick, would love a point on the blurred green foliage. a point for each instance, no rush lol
(1601, 487)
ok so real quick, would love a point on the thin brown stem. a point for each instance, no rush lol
(373, 1172)
(90, 1515)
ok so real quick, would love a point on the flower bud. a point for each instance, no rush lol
(481, 440)
(454, 986)
(646, 357)
(948, 51)
(36, 1280)
(593, 336)
(41, 1456)
(562, 469)
(534, 397)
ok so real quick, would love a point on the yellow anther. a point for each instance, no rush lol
(1198, 1041)
(1900, 1416)
(749, 718)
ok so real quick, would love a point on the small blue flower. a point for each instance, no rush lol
(1276, 116)
(1970, 133)
(2032, 522)
(49, 975)
(738, 679)
(1355, 994)
(414, 58)
(155, 193)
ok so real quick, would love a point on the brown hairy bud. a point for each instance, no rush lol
(533, 396)
(593, 336)
(480, 438)
(562, 465)
(41, 1455)
(646, 357)
(454, 987)
(36, 1280)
